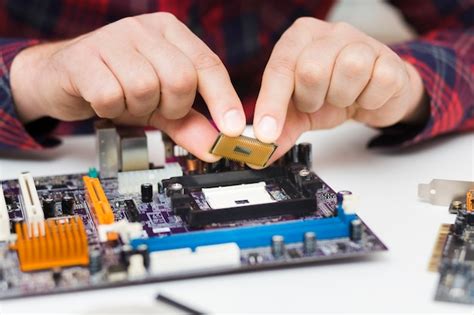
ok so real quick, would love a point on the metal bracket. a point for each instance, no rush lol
(442, 192)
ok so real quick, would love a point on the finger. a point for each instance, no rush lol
(313, 74)
(295, 124)
(193, 132)
(386, 80)
(214, 83)
(176, 73)
(135, 74)
(98, 86)
(278, 84)
(351, 73)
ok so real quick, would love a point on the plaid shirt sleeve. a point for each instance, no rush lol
(13, 133)
(444, 58)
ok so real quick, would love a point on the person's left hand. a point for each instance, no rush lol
(321, 74)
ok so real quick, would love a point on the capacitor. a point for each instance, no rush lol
(192, 164)
(292, 155)
(305, 154)
(67, 205)
(309, 243)
(142, 249)
(340, 196)
(278, 246)
(95, 261)
(356, 230)
(303, 175)
(174, 189)
(147, 192)
(160, 188)
(49, 208)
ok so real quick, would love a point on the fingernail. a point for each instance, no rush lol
(267, 129)
(233, 121)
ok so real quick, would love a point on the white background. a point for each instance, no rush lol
(386, 182)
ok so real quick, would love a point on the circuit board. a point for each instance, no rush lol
(453, 256)
(171, 222)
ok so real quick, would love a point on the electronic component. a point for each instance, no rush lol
(98, 201)
(453, 255)
(305, 154)
(133, 149)
(34, 215)
(243, 149)
(130, 182)
(212, 257)
(4, 218)
(216, 218)
(243, 195)
(63, 244)
(132, 210)
(49, 207)
(146, 192)
(126, 230)
(442, 191)
(67, 205)
(278, 246)
(254, 236)
(107, 148)
(309, 243)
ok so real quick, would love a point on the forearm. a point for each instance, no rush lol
(12, 131)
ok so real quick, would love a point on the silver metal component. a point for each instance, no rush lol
(278, 246)
(356, 230)
(133, 150)
(107, 148)
(442, 191)
(174, 189)
(309, 243)
(304, 172)
(130, 182)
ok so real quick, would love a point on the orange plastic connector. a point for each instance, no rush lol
(63, 244)
(470, 200)
(98, 201)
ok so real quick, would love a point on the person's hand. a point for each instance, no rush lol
(321, 74)
(141, 70)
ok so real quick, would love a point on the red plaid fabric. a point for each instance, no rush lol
(243, 33)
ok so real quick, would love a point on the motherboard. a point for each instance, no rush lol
(126, 224)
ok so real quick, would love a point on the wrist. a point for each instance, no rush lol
(29, 80)
(418, 104)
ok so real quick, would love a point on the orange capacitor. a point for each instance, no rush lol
(98, 201)
(470, 200)
(63, 244)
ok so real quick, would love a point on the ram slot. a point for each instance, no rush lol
(4, 219)
(33, 212)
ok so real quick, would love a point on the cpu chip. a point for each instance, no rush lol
(243, 149)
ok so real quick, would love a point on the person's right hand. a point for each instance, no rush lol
(142, 70)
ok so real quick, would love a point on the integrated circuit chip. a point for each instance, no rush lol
(243, 149)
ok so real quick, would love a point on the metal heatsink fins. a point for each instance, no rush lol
(63, 244)
(243, 149)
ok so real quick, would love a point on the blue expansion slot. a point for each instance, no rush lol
(254, 236)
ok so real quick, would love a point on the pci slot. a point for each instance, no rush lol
(33, 211)
(97, 200)
(253, 236)
(4, 219)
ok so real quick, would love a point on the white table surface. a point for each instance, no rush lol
(386, 183)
